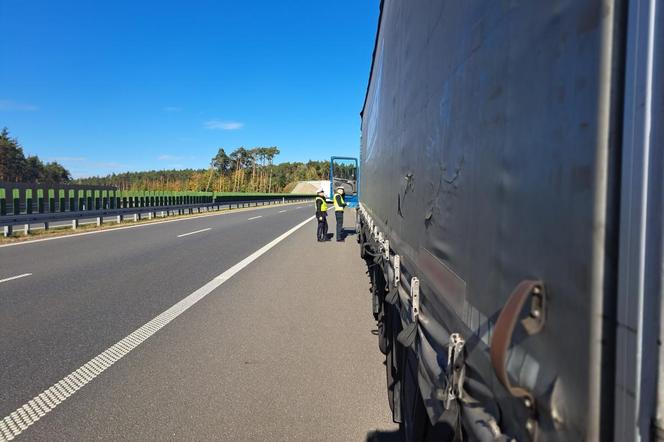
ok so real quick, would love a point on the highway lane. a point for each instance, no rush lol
(110, 219)
(278, 352)
(87, 292)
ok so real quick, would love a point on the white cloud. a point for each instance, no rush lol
(223, 125)
(10, 105)
(67, 159)
(168, 157)
(172, 109)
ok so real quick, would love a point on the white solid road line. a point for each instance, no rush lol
(15, 277)
(254, 217)
(197, 231)
(33, 410)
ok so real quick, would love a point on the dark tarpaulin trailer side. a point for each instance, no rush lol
(489, 157)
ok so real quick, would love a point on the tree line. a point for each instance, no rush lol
(247, 169)
(242, 170)
(16, 167)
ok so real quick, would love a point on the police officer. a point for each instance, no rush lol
(321, 216)
(339, 205)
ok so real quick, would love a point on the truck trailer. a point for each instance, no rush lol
(510, 214)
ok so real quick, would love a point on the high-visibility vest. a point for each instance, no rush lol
(339, 206)
(323, 204)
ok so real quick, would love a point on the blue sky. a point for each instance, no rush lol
(134, 85)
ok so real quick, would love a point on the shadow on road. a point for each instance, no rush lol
(349, 232)
(384, 436)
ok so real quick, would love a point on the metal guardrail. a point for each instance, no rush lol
(45, 218)
(19, 198)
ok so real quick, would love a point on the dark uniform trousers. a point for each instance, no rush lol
(321, 232)
(339, 215)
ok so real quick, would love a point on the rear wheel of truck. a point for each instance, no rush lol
(379, 307)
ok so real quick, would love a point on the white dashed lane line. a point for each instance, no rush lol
(11, 278)
(254, 217)
(18, 421)
(196, 231)
(282, 211)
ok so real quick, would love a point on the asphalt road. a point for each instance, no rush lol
(283, 350)
(111, 219)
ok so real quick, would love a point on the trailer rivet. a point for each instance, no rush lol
(527, 402)
(535, 313)
(529, 425)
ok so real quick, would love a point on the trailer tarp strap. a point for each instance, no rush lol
(502, 333)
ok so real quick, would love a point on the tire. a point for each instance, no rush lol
(363, 251)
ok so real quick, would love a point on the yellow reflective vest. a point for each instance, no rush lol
(323, 204)
(339, 202)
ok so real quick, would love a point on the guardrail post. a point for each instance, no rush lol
(16, 202)
(163, 214)
(74, 224)
(118, 219)
(135, 217)
(283, 200)
(7, 231)
(26, 229)
(150, 214)
(100, 221)
(46, 226)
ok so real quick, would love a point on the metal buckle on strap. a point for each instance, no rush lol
(397, 270)
(415, 298)
(456, 370)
